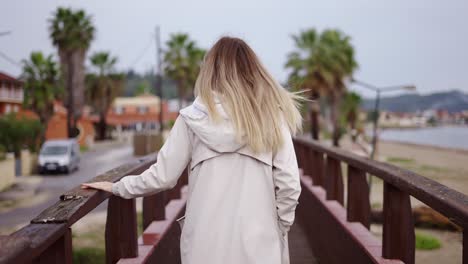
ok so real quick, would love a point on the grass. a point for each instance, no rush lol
(89, 247)
(88, 255)
(426, 242)
(84, 148)
(140, 223)
(400, 160)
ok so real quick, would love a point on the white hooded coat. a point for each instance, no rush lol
(240, 205)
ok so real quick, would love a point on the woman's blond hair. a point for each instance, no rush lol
(257, 105)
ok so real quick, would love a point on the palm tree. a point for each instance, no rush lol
(102, 87)
(182, 62)
(41, 87)
(309, 72)
(320, 64)
(342, 65)
(350, 111)
(72, 32)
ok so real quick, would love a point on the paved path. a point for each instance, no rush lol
(102, 158)
(299, 247)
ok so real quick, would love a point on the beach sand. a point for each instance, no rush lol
(447, 166)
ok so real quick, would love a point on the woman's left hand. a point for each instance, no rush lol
(104, 186)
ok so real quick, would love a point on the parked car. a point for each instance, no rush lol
(59, 155)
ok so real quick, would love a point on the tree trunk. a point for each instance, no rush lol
(45, 122)
(334, 107)
(352, 123)
(102, 127)
(314, 116)
(70, 95)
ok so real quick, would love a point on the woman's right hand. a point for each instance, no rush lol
(103, 186)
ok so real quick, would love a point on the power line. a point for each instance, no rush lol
(4, 33)
(142, 53)
(10, 60)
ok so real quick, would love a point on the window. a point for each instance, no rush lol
(7, 108)
(119, 110)
(142, 109)
(15, 108)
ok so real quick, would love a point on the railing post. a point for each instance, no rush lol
(398, 226)
(175, 193)
(121, 229)
(465, 245)
(317, 164)
(358, 209)
(154, 208)
(334, 180)
(59, 252)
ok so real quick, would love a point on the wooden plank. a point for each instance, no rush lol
(76, 203)
(12, 249)
(443, 199)
(308, 163)
(334, 180)
(60, 252)
(40, 237)
(297, 148)
(154, 208)
(398, 227)
(121, 229)
(358, 209)
(318, 164)
(174, 193)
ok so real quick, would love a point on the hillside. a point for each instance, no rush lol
(453, 101)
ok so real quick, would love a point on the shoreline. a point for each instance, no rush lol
(425, 146)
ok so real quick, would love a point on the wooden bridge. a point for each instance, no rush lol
(325, 230)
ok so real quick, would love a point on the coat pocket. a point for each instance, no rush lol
(181, 222)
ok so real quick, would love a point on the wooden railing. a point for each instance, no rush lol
(337, 234)
(323, 165)
(48, 239)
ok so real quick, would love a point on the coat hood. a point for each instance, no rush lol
(220, 136)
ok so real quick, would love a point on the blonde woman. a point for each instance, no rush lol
(244, 180)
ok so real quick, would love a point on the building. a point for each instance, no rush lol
(139, 112)
(11, 101)
(11, 94)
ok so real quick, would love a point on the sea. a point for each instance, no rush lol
(444, 136)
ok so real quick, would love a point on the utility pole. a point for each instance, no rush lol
(159, 90)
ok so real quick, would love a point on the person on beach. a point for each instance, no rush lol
(236, 139)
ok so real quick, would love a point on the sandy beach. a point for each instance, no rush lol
(447, 166)
(444, 165)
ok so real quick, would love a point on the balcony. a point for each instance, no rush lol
(11, 95)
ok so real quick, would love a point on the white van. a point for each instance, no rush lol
(59, 155)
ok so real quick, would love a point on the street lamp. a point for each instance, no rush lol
(4, 33)
(378, 91)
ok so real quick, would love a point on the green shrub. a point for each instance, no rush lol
(17, 133)
(89, 255)
(426, 242)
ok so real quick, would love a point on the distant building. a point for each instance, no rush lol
(11, 94)
(398, 119)
(139, 112)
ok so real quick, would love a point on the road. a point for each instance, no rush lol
(93, 162)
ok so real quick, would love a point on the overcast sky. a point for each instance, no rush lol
(421, 42)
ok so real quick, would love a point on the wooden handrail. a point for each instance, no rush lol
(399, 184)
(452, 204)
(77, 202)
(47, 239)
